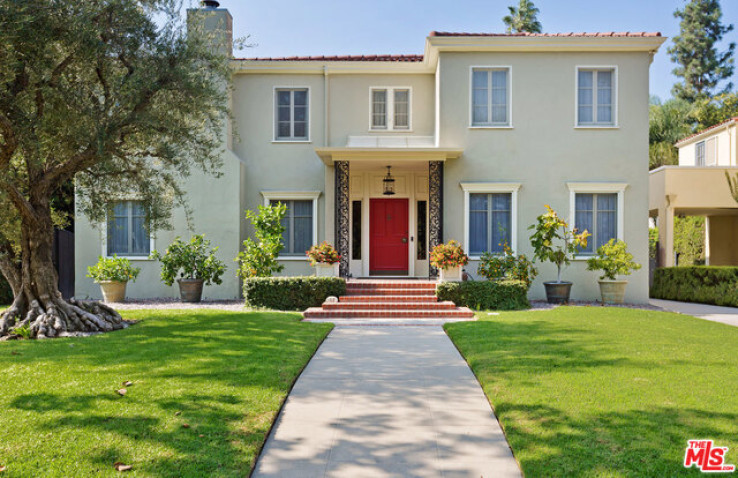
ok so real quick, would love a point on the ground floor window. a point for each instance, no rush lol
(127, 231)
(422, 234)
(490, 217)
(356, 230)
(298, 226)
(598, 214)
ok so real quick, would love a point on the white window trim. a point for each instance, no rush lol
(391, 109)
(275, 139)
(509, 124)
(104, 239)
(597, 188)
(615, 91)
(292, 196)
(491, 188)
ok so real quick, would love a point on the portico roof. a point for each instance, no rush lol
(382, 155)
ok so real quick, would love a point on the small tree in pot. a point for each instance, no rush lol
(195, 264)
(613, 259)
(113, 274)
(549, 230)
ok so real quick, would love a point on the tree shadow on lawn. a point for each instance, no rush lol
(575, 401)
(225, 373)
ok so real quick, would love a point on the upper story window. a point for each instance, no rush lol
(705, 153)
(127, 232)
(490, 97)
(596, 96)
(292, 114)
(390, 109)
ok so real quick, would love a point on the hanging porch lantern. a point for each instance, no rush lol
(389, 183)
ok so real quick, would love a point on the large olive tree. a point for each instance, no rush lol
(114, 95)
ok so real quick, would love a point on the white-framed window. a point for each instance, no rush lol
(300, 221)
(490, 217)
(291, 114)
(390, 108)
(596, 96)
(490, 97)
(699, 154)
(126, 231)
(598, 208)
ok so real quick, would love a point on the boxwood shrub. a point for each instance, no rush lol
(485, 295)
(291, 293)
(717, 285)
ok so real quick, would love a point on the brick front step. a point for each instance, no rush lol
(372, 285)
(391, 291)
(349, 306)
(389, 298)
(320, 313)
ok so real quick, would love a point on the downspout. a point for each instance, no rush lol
(326, 105)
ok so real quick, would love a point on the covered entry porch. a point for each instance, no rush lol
(383, 231)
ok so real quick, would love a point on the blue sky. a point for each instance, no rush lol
(335, 27)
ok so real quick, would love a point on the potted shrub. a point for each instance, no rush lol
(613, 259)
(325, 258)
(113, 274)
(507, 265)
(555, 242)
(448, 259)
(193, 264)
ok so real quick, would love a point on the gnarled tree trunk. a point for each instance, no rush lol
(38, 304)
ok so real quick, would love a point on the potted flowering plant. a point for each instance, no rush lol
(195, 264)
(613, 259)
(113, 274)
(325, 258)
(549, 230)
(448, 259)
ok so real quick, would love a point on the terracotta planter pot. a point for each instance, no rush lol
(190, 290)
(324, 269)
(612, 291)
(113, 291)
(450, 274)
(557, 292)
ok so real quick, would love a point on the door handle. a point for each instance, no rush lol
(404, 240)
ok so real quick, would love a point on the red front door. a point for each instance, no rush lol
(388, 236)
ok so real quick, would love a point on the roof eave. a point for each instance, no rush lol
(552, 43)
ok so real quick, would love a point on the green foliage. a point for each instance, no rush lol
(613, 259)
(291, 293)
(717, 285)
(323, 253)
(551, 229)
(451, 254)
(694, 51)
(732, 185)
(6, 293)
(190, 260)
(259, 258)
(486, 295)
(689, 239)
(507, 266)
(523, 18)
(114, 268)
(711, 111)
(23, 331)
(667, 123)
(653, 242)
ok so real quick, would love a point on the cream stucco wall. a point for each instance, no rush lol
(723, 239)
(543, 150)
(727, 147)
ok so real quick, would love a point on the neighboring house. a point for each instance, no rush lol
(480, 132)
(698, 187)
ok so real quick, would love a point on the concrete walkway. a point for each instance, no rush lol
(387, 401)
(725, 315)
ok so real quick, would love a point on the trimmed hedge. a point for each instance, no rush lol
(485, 295)
(291, 293)
(717, 285)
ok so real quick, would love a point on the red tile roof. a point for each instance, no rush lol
(730, 120)
(526, 34)
(397, 58)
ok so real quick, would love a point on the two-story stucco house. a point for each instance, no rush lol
(479, 133)
(698, 187)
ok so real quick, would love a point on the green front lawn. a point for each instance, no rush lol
(206, 387)
(593, 391)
